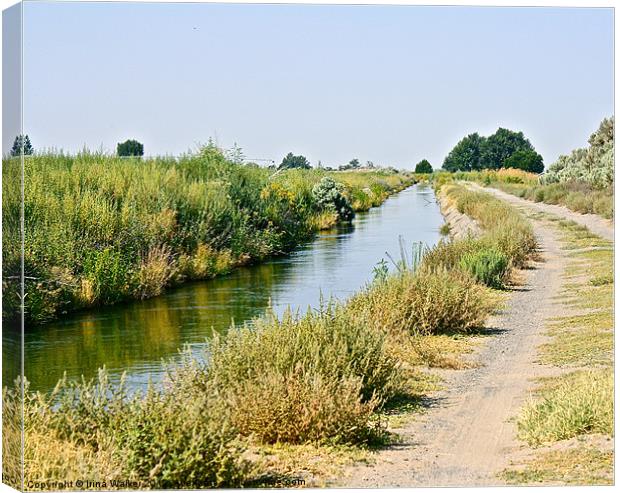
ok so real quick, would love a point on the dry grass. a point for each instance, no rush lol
(582, 465)
(571, 405)
(577, 405)
(424, 303)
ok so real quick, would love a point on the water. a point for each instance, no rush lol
(137, 335)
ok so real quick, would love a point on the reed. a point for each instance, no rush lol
(100, 229)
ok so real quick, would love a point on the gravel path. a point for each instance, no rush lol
(598, 225)
(467, 437)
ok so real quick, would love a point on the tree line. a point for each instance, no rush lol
(503, 149)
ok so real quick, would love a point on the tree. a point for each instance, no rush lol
(130, 148)
(465, 156)
(526, 160)
(354, 163)
(235, 154)
(500, 146)
(423, 167)
(22, 145)
(290, 162)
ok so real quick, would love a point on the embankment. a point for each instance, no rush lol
(100, 229)
(325, 377)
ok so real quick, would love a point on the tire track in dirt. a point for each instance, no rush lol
(467, 437)
(596, 224)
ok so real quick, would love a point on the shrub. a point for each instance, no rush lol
(423, 303)
(300, 406)
(280, 363)
(579, 202)
(179, 440)
(173, 438)
(487, 266)
(328, 195)
(154, 273)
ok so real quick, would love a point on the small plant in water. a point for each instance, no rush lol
(404, 264)
(380, 271)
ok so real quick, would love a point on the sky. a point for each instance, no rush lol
(389, 84)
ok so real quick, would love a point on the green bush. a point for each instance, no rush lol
(329, 196)
(172, 438)
(487, 266)
(303, 366)
(180, 440)
(423, 303)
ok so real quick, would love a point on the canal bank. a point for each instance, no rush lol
(135, 337)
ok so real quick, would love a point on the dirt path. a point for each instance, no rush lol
(598, 225)
(467, 437)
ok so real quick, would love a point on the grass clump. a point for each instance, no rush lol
(423, 303)
(504, 228)
(172, 438)
(314, 377)
(489, 267)
(579, 403)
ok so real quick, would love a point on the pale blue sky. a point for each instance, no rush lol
(391, 84)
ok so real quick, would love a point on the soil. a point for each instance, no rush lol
(468, 435)
(597, 224)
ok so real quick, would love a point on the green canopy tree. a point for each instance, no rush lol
(497, 148)
(465, 156)
(22, 145)
(291, 161)
(423, 167)
(526, 160)
(130, 148)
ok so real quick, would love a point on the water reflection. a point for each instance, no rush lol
(136, 336)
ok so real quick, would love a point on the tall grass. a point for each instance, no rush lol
(577, 194)
(101, 229)
(317, 377)
(504, 228)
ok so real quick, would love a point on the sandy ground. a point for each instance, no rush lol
(598, 225)
(468, 435)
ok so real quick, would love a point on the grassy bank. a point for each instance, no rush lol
(577, 195)
(101, 229)
(569, 421)
(319, 384)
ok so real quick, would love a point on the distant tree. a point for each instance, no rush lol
(526, 160)
(423, 167)
(130, 148)
(370, 164)
(290, 162)
(497, 148)
(354, 163)
(465, 156)
(22, 145)
(235, 154)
